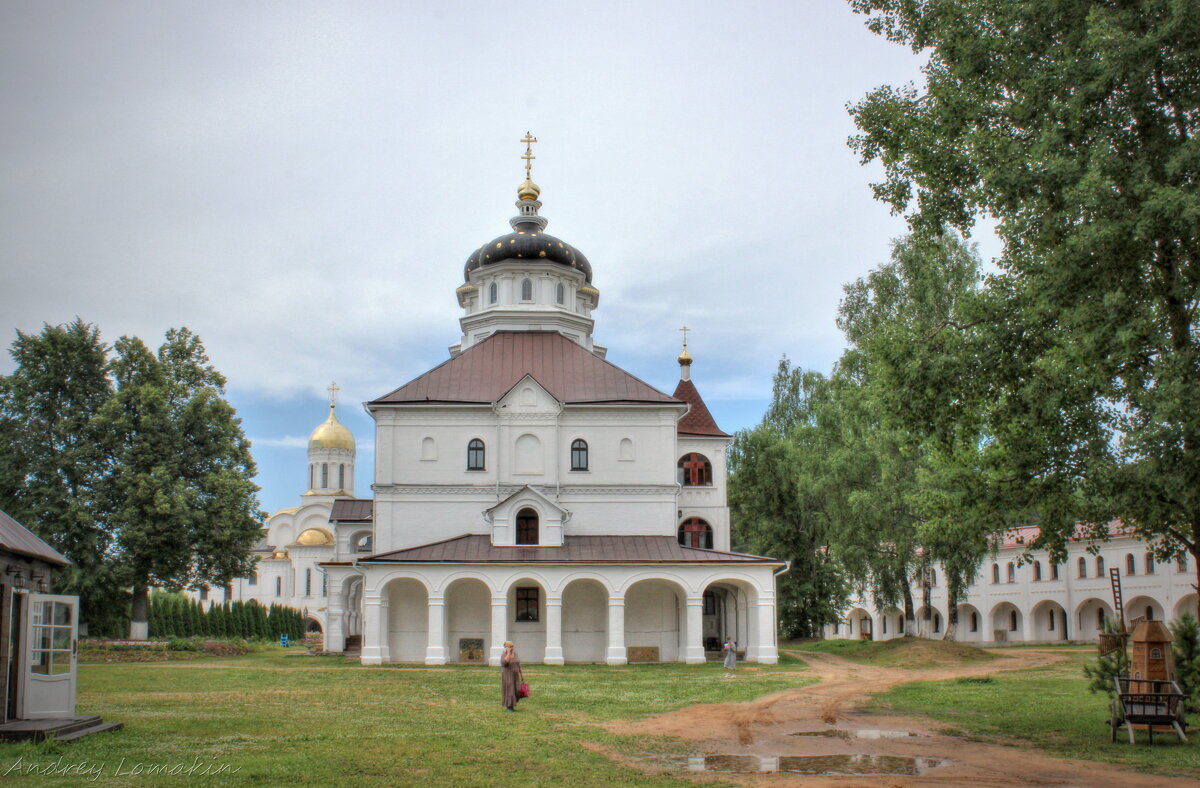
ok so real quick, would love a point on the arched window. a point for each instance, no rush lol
(364, 544)
(341, 477)
(475, 455)
(324, 475)
(312, 476)
(526, 290)
(1149, 561)
(1037, 570)
(1130, 564)
(695, 470)
(626, 450)
(560, 293)
(694, 532)
(1012, 621)
(995, 573)
(252, 580)
(492, 293)
(1181, 563)
(1099, 566)
(579, 455)
(974, 622)
(527, 527)
(1082, 566)
(1012, 573)
(1053, 571)
(278, 586)
(933, 577)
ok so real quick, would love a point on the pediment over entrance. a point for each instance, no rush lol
(506, 516)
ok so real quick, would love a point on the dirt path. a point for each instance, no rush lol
(767, 727)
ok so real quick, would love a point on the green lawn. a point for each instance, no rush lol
(302, 720)
(1049, 708)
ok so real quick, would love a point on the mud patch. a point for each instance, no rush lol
(864, 733)
(813, 764)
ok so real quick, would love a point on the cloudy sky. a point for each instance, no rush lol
(300, 184)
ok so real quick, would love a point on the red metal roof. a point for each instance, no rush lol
(485, 372)
(614, 549)
(352, 510)
(19, 539)
(1025, 534)
(698, 420)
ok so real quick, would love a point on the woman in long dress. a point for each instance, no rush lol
(511, 676)
(730, 656)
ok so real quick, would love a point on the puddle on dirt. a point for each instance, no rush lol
(814, 764)
(862, 733)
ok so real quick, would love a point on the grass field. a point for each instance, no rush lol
(283, 719)
(896, 653)
(1049, 708)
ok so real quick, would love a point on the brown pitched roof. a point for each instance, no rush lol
(698, 420)
(352, 510)
(19, 539)
(484, 373)
(478, 549)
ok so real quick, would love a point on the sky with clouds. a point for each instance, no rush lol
(300, 184)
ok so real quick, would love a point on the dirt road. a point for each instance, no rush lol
(767, 727)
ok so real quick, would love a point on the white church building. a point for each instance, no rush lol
(526, 489)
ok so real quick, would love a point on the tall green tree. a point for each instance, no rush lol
(181, 503)
(52, 458)
(1074, 124)
(777, 505)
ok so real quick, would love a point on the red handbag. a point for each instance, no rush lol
(523, 691)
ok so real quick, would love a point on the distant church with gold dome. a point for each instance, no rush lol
(525, 489)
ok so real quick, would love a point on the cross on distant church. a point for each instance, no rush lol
(333, 390)
(528, 157)
(685, 329)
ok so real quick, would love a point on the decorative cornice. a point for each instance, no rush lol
(505, 490)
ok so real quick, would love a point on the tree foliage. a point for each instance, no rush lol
(135, 467)
(777, 505)
(1074, 124)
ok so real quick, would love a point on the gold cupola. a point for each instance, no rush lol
(331, 434)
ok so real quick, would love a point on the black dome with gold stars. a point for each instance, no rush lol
(529, 242)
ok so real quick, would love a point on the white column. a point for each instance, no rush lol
(1028, 626)
(499, 628)
(693, 643)
(762, 647)
(335, 629)
(554, 652)
(375, 630)
(435, 650)
(616, 631)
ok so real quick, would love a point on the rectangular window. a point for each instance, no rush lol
(308, 582)
(527, 604)
(279, 586)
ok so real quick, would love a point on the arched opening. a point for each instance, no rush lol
(1011, 572)
(1186, 605)
(1049, 621)
(1130, 564)
(1099, 566)
(695, 470)
(584, 621)
(1082, 567)
(1037, 570)
(652, 621)
(363, 542)
(492, 293)
(408, 620)
(527, 527)
(929, 621)
(859, 623)
(969, 624)
(1149, 563)
(696, 532)
(341, 477)
(727, 614)
(560, 293)
(311, 625)
(324, 475)
(579, 455)
(995, 573)
(1090, 616)
(891, 624)
(527, 619)
(527, 454)
(468, 621)
(1144, 606)
(475, 455)
(526, 290)
(1006, 623)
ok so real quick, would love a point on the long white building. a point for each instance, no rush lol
(1022, 597)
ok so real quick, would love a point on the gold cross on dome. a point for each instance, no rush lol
(685, 331)
(528, 157)
(333, 389)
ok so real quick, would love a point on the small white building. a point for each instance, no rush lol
(1023, 597)
(526, 489)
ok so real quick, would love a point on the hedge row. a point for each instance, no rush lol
(177, 616)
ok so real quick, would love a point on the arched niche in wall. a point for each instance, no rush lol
(527, 454)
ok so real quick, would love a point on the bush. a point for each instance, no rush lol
(182, 644)
(1186, 649)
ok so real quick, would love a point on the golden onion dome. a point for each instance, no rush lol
(332, 434)
(685, 358)
(315, 537)
(528, 190)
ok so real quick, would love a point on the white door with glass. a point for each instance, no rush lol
(50, 630)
